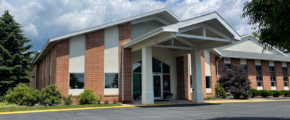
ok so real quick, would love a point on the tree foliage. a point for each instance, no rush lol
(271, 18)
(235, 81)
(14, 55)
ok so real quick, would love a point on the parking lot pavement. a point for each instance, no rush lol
(228, 111)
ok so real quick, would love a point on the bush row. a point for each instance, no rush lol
(22, 94)
(274, 93)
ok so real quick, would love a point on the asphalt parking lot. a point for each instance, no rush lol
(279, 110)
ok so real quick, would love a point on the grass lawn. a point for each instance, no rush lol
(25, 108)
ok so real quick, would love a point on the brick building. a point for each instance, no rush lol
(143, 57)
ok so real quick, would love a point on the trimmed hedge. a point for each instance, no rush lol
(266, 93)
(87, 97)
(255, 93)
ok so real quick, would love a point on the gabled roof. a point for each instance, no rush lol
(52, 40)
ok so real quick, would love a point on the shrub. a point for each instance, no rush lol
(99, 99)
(2, 99)
(286, 93)
(265, 93)
(67, 100)
(220, 91)
(87, 97)
(115, 101)
(22, 95)
(235, 81)
(106, 102)
(276, 93)
(50, 95)
(255, 92)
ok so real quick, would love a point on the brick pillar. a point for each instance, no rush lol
(251, 69)
(94, 62)
(279, 75)
(182, 77)
(213, 73)
(288, 71)
(124, 36)
(235, 61)
(266, 75)
(203, 73)
(62, 66)
(47, 69)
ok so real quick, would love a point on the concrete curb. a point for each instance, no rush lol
(126, 106)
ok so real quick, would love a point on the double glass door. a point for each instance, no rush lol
(157, 87)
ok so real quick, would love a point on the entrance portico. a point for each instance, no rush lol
(186, 37)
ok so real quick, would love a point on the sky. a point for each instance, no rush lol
(43, 19)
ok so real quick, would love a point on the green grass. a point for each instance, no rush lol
(25, 108)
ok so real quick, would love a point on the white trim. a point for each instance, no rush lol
(202, 37)
(259, 87)
(184, 41)
(175, 47)
(227, 60)
(149, 19)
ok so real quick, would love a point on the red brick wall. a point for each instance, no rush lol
(94, 62)
(279, 75)
(62, 65)
(213, 73)
(47, 68)
(220, 66)
(124, 36)
(288, 70)
(182, 77)
(251, 69)
(266, 75)
(235, 61)
(53, 64)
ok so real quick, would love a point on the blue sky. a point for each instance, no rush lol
(43, 19)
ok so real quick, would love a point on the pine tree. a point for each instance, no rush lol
(15, 59)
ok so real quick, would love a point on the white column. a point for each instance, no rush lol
(197, 94)
(147, 77)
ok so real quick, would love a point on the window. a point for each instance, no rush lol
(244, 66)
(208, 82)
(111, 80)
(76, 80)
(259, 76)
(156, 65)
(272, 76)
(227, 65)
(285, 76)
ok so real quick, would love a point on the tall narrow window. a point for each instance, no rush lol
(244, 66)
(285, 76)
(208, 82)
(272, 76)
(227, 65)
(259, 76)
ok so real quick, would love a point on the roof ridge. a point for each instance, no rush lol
(165, 8)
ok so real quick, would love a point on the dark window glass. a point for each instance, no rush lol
(259, 76)
(156, 65)
(76, 81)
(166, 68)
(137, 67)
(208, 82)
(244, 66)
(137, 86)
(227, 65)
(111, 80)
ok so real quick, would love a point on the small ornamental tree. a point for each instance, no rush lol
(235, 81)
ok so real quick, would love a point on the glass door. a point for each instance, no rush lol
(157, 86)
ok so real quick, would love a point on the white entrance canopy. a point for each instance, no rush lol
(189, 36)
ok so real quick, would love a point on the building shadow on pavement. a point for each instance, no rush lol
(179, 105)
(249, 118)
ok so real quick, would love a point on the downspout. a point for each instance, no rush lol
(217, 66)
(122, 73)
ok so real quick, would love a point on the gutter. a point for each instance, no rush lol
(217, 66)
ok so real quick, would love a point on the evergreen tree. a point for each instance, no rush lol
(15, 59)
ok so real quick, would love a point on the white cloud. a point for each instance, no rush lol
(30, 30)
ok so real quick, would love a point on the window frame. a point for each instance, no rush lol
(209, 81)
(228, 65)
(246, 67)
(272, 78)
(105, 80)
(285, 82)
(260, 76)
(77, 73)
